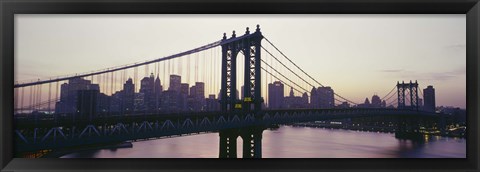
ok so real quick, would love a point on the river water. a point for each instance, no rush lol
(293, 142)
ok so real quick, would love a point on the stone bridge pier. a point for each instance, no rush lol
(252, 142)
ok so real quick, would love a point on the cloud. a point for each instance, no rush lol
(392, 70)
(456, 46)
(447, 75)
(438, 76)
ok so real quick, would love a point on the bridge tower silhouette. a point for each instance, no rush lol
(412, 89)
(249, 45)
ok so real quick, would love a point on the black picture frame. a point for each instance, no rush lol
(9, 8)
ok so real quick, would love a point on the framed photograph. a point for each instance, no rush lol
(160, 85)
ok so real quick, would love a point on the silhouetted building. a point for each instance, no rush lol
(429, 99)
(116, 102)
(326, 97)
(305, 100)
(87, 104)
(147, 87)
(197, 97)
(344, 105)
(139, 102)
(212, 103)
(128, 96)
(275, 95)
(365, 104)
(158, 90)
(376, 102)
(69, 95)
(184, 89)
(296, 102)
(175, 83)
(314, 98)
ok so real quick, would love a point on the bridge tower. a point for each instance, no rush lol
(412, 88)
(250, 45)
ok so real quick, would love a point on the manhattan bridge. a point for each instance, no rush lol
(114, 105)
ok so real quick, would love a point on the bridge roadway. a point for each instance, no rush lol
(44, 134)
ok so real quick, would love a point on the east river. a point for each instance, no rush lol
(293, 142)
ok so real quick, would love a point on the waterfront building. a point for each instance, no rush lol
(296, 102)
(275, 95)
(147, 87)
(429, 99)
(69, 95)
(175, 83)
(128, 96)
(87, 104)
(326, 97)
(376, 102)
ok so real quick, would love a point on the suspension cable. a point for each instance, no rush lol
(389, 92)
(304, 71)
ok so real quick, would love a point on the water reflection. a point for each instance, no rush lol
(293, 142)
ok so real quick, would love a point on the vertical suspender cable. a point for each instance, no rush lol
(39, 96)
(49, 96)
(214, 84)
(179, 66)
(30, 105)
(164, 74)
(204, 77)
(114, 82)
(146, 70)
(196, 67)
(21, 100)
(105, 81)
(188, 69)
(99, 81)
(32, 101)
(135, 73)
(58, 98)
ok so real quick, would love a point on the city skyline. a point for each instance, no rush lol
(447, 74)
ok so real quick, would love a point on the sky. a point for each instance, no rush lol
(357, 55)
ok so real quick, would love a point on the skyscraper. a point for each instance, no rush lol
(158, 89)
(69, 94)
(327, 99)
(429, 99)
(212, 104)
(314, 98)
(87, 104)
(147, 87)
(128, 96)
(275, 95)
(197, 96)
(184, 89)
(175, 83)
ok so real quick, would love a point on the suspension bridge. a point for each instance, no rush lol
(120, 103)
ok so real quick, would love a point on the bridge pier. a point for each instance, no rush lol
(228, 143)
(252, 142)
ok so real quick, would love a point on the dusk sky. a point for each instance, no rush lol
(356, 55)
